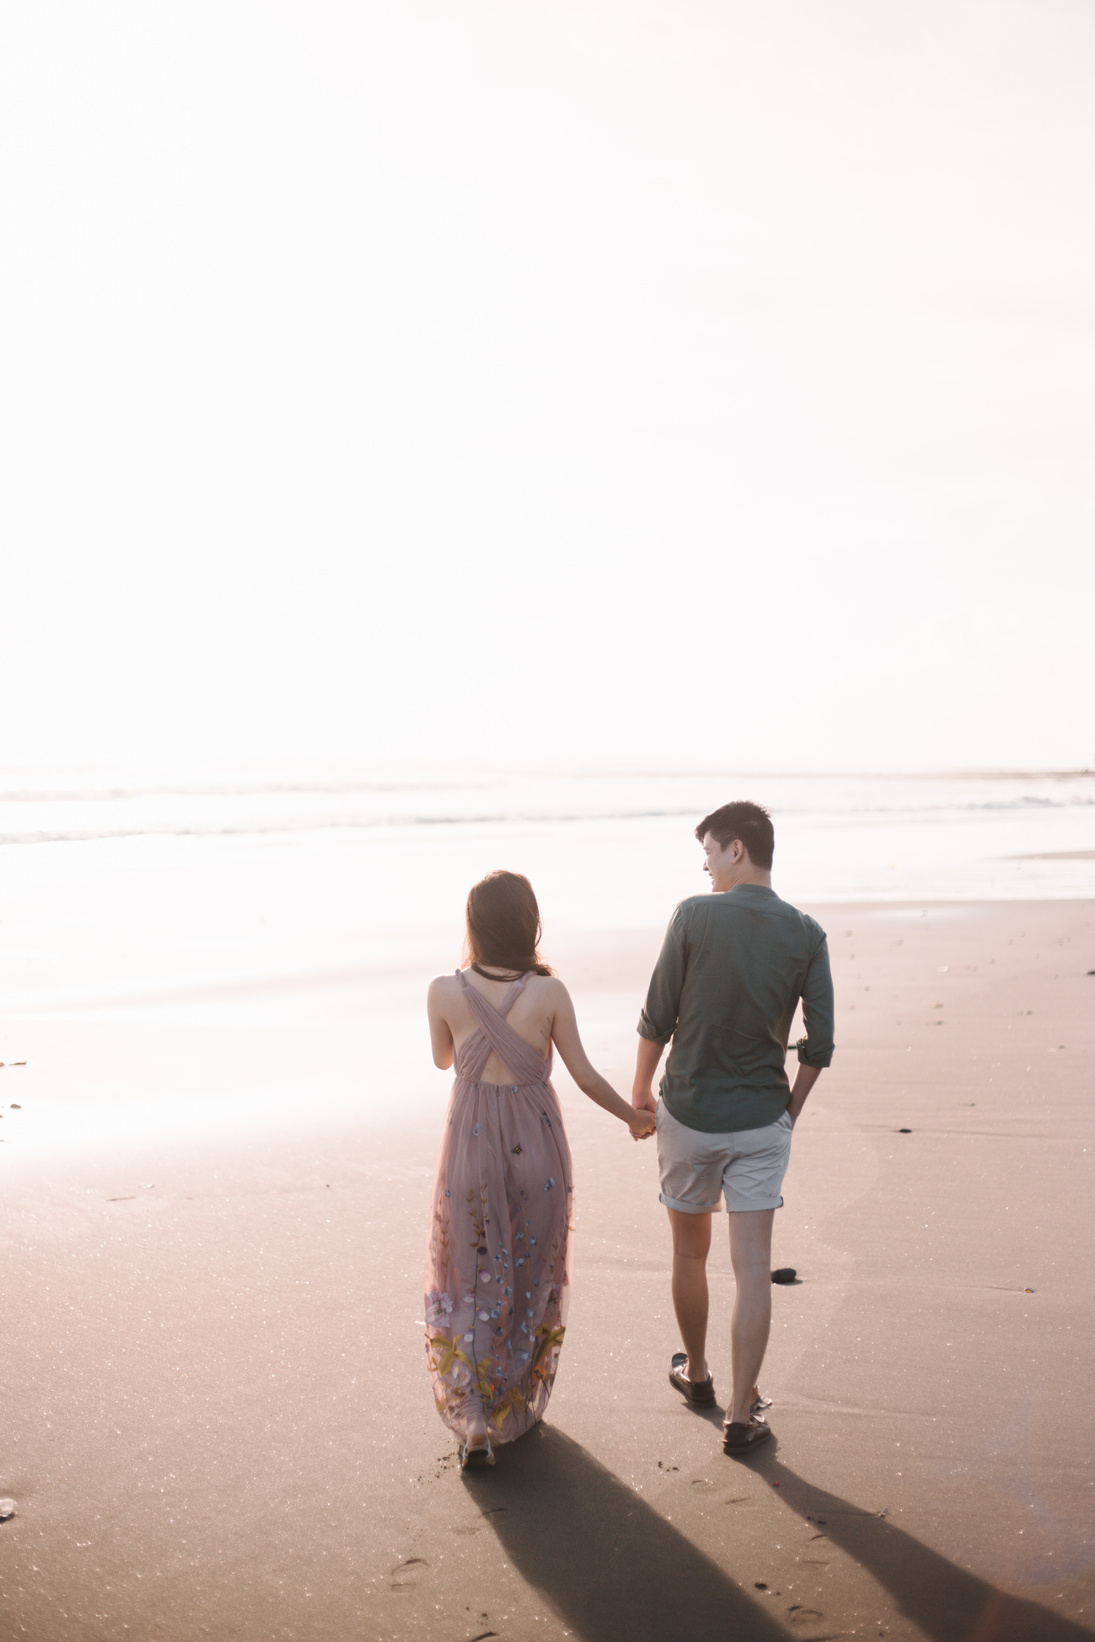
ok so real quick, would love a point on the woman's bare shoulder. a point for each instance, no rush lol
(550, 988)
(442, 985)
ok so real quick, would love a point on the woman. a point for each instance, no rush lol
(498, 1259)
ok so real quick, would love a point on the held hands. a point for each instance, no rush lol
(641, 1124)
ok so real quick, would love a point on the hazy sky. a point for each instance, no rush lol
(683, 383)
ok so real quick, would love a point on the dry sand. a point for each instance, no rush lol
(219, 1424)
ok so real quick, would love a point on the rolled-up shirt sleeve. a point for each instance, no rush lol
(658, 1019)
(816, 1048)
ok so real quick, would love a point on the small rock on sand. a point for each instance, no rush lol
(7, 1509)
(785, 1274)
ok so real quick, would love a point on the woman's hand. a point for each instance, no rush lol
(641, 1123)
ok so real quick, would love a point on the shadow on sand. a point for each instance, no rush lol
(948, 1603)
(613, 1568)
(609, 1565)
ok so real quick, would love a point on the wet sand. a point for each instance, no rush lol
(219, 1424)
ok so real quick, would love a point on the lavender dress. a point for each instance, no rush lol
(498, 1257)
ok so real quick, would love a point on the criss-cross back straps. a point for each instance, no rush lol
(524, 1063)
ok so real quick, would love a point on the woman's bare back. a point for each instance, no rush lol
(531, 1016)
(542, 1016)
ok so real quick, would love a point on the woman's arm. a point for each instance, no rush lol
(564, 1033)
(440, 1032)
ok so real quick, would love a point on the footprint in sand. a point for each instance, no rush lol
(804, 1616)
(412, 1566)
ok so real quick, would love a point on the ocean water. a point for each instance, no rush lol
(122, 893)
(184, 956)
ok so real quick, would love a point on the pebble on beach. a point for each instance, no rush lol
(7, 1509)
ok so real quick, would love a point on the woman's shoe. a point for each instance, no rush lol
(477, 1458)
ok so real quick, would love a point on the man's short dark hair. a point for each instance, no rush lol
(746, 821)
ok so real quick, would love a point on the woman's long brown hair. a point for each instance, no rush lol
(504, 926)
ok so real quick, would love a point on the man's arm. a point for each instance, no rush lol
(815, 1050)
(659, 1015)
(805, 1078)
(646, 1064)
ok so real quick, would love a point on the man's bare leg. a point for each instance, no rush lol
(691, 1244)
(751, 1257)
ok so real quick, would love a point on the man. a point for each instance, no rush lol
(732, 969)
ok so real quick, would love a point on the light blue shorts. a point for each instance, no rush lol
(696, 1168)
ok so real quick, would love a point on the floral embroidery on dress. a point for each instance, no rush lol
(486, 1353)
(438, 1308)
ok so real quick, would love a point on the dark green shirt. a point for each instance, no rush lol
(732, 969)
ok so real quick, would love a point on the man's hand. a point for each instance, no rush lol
(805, 1079)
(642, 1090)
(641, 1123)
(645, 1109)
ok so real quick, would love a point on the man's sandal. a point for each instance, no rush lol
(738, 1437)
(696, 1391)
